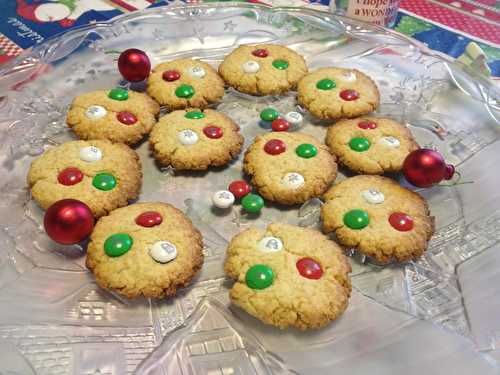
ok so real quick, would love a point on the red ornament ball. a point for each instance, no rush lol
(309, 268)
(68, 221)
(425, 167)
(239, 188)
(70, 176)
(134, 65)
(401, 221)
(274, 147)
(126, 118)
(171, 75)
(213, 132)
(149, 219)
(280, 125)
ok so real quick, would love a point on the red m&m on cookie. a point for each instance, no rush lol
(212, 132)
(239, 188)
(70, 176)
(401, 221)
(275, 147)
(126, 118)
(149, 219)
(261, 52)
(367, 125)
(309, 268)
(280, 125)
(349, 95)
(171, 75)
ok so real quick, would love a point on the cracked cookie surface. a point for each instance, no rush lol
(288, 276)
(289, 168)
(378, 217)
(195, 140)
(332, 93)
(370, 145)
(264, 69)
(185, 83)
(95, 115)
(149, 249)
(101, 174)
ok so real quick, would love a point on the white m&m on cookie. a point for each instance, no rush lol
(270, 244)
(223, 199)
(90, 154)
(373, 196)
(197, 72)
(251, 67)
(95, 112)
(390, 141)
(163, 251)
(348, 76)
(187, 137)
(293, 180)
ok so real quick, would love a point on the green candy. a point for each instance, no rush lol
(259, 276)
(117, 244)
(194, 115)
(252, 203)
(184, 91)
(326, 84)
(359, 144)
(280, 64)
(306, 150)
(269, 114)
(356, 219)
(118, 94)
(104, 181)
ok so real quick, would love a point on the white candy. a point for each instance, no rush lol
(294, 118)
(223, 199)
(293, 180)
(270, 244)
(389, 142)
(187, 137)
(251, 67)
(90, 154)
(197, 72)
(373, 196)
(348, 76)
(163, 251)
(95, 112)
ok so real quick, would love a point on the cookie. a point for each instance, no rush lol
(289, 168)
(332, 93)
(117, 115)
(185, 83)
(377, 216)
(195, 140)
(288, 276)
(149, 249)
(264, 69)
(101, 174)
(370, 145)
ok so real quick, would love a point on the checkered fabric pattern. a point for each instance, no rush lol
(8, 48)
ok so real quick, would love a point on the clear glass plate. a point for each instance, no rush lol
(417, 316)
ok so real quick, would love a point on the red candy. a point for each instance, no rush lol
(149, 219)
(401, 221)
(70, 176)
(349, 95)
(213, 132)
(275, 147)
(126, 118)
(367, 125)
(280, 125)
(171, 75)
(309, 268)
(260, 52)
(239, 188)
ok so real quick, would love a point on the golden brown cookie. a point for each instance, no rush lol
(195, 140)
(117, 115)
(185, 83)
(149, 249)
(289, 168)
(377, 216)
(332, 93)
(263, 69)
(288, 276)
(101, 174)
(370, 145)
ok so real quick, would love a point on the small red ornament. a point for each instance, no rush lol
(401, 221)
(349, 95)
(171, 75)
(280, 125)
(260, 52)
(68, 221)
(366, 125)
(126, 118)
(134, 65)
(149, 219)
(309, 268)
(239, 188)
(70, 176)
(275, 147)
(425, 167)
(212, 132)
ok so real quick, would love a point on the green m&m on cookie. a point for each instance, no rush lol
(194, 115)
(356, 219)
(118, 94)
(359, 144)
(117, 244)
(104, 181)
(259, 276)
(184, 91)
(280, 64)
(306, 150)
(326, 84)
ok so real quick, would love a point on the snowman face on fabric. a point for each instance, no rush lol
(51, 12)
